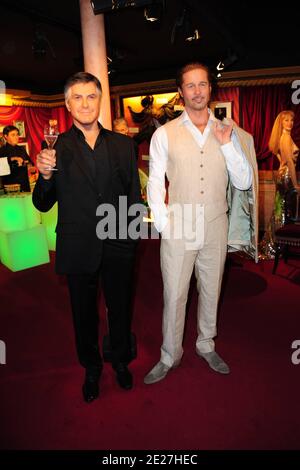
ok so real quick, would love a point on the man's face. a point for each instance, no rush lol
(195, 90)
(12, 138)
(83, 102)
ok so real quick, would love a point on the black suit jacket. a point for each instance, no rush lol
(78, 249)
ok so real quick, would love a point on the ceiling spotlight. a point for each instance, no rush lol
(194, 36)
(231, 58)
(152, 12)
(110, 68)
(184, 26)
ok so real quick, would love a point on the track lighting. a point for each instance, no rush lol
(152, 12)
(194, 36)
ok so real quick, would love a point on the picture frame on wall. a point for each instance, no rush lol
(20, 125)
(221, 109)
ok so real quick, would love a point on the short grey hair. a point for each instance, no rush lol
(81, 77)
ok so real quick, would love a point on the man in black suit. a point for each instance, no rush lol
(94, 166)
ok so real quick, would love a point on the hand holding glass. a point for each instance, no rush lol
(50, 136)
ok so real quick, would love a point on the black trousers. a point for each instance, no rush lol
(116, 274)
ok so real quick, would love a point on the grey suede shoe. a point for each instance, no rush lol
(215, 362)
(156, 374)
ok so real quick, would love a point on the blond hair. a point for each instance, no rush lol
(276, 133)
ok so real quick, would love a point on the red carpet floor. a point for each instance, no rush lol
(255, 407)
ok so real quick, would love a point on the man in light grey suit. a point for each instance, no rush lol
(201, 158)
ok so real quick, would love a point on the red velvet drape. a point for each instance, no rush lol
(260, 105)
(35, 118)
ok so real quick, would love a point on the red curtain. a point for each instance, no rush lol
(35, 118)
(8, 114)
(260, 105)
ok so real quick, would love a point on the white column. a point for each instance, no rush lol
(94, 53)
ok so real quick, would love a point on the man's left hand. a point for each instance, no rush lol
(222, 132)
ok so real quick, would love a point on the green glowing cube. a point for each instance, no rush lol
(49, 220)
(12, 214)
(24, 249)
(32, 215)
(18, 213)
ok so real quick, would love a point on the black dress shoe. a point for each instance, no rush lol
(124, 377)
(90, 388)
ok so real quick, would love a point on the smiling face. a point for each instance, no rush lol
(83, 101)
(287, 122)
(195, 89)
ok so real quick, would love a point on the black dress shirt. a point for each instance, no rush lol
(88, 179)
(96, 159)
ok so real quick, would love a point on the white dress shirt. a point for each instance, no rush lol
(237, 165)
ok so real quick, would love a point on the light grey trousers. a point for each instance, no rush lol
(177, 264)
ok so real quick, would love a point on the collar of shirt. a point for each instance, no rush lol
(198, 135)
(186, 118)
(81, 136)
(9, 146)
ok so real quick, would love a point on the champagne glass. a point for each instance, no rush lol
(50, 135)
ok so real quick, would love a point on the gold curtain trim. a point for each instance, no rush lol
(37, 104)
(256, 82)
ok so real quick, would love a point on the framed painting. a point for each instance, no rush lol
(145, 113)
(20, 125)
(221, 109)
